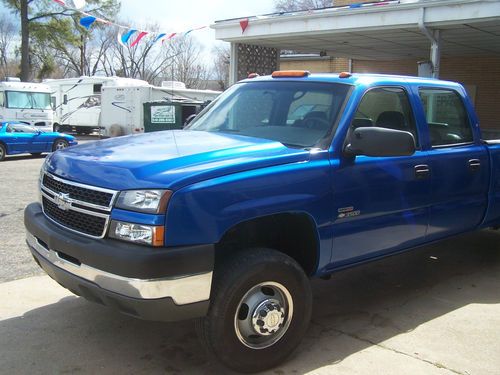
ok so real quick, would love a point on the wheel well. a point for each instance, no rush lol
(293, 234)
(4, 145)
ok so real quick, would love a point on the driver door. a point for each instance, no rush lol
(380, 203)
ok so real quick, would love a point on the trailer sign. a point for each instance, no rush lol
(163, 114)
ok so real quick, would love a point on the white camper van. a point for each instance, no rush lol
(123, 106)
(77, 101)
(26, 102)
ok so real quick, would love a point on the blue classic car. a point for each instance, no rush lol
(19, 138)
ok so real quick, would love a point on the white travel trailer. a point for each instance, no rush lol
(123, 106)
(77, 101)
(179, 89)
(26, 102)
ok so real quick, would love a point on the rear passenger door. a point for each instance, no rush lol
(458, 162)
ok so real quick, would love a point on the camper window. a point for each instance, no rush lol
(97, 88)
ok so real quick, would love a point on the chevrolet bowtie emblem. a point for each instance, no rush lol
(62, 201)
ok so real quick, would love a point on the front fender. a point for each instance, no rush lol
(203, 212)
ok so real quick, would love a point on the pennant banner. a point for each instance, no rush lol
(124, 37)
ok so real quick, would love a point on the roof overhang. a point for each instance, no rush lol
(389, 32)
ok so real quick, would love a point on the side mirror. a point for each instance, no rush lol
(375, 141)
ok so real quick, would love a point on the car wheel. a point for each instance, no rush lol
(259, 310)
(57, 128)
(59, 144)
(3, 152)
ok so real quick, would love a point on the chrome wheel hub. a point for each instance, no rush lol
(263, 315)
(268, 317)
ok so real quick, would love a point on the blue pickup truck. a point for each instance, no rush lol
(281, 179)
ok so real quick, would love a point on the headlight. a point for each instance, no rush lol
(138, 233)
(148, 201)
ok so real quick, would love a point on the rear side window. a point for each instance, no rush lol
(386, 107)
(446, 117)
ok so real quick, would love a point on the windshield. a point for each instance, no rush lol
(28, 100)
(297, 114)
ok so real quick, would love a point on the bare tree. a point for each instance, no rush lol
(221, 65)
(188, 65)
(294, 5)
(7, 37)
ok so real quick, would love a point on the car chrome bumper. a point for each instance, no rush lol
(182, 290)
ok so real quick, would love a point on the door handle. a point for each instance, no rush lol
(422, 171)
(474, 165)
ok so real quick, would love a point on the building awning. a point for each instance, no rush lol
(383, 32)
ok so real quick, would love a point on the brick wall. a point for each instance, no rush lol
(322, 65)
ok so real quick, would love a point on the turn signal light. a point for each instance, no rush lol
(290, 73)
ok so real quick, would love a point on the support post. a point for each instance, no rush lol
(233, 64)
(435, 39)
(436, 54)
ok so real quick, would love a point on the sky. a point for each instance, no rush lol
(183, 15)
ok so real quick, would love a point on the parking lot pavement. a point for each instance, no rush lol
(18, 187)
(435, 310)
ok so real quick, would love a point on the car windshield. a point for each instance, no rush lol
(297, 114)
(28, 100)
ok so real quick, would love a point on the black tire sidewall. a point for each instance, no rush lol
(57, 141)
(4, 153)
(226, 344)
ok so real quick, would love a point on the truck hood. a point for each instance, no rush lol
(167, 159)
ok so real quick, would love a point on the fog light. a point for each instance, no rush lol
(138, 233)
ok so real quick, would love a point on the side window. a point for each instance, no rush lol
(97, 88)
(446, 117)
(386, 107)
(1, 99)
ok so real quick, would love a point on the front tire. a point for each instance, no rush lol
(59, 144)
(3, 152)
(260, 309)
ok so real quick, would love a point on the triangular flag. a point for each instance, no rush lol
(126, 37)
(87, 21)
(60, 2)
(158, 37)
(141, 35)
(244, 25)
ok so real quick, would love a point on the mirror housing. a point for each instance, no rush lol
(375, 141)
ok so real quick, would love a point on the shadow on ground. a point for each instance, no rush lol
(355, 310)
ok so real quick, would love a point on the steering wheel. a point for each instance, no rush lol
(316, 123)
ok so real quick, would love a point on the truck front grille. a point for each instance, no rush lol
(97, 197)
(78, 221)
(80, 208)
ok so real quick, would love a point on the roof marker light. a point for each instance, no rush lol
(253, 75)
(290, 73)
(345, 75)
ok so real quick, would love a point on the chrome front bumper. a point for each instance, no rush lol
(182, 290)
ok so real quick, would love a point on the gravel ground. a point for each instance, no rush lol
(18, 176)
(18, 187)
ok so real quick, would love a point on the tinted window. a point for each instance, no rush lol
(22, 129)
(446, 117)
(297, 114)
(386, 107)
